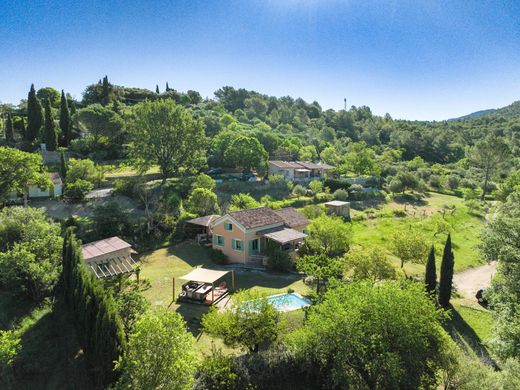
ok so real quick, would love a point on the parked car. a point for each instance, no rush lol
(214, 171)
(480, 295)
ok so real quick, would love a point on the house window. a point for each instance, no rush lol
(237, 245)
(228, 226)
(220, 241)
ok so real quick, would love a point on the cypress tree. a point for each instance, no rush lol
(446, 278)
(167, 87)
(105, 94)
(9, 132)
(50, 134)
(64, 121)
(430, 275)
(63, 167)
(34, 115)
(157, 89)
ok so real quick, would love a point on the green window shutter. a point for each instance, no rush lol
(214, 240)
(250, 247)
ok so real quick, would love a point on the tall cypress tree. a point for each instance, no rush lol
(157, 89)
(50, 134)
(106, 87)
(430, 275)
(63, 166)
(34, 115)
(446, 278)
(167, 87)
(64, 121)
(9, 132)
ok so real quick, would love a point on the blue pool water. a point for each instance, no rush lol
(288, 302)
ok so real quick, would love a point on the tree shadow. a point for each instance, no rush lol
(464, 335)
(13, 309)
(50, 357)
(192, 314)
(411, 199)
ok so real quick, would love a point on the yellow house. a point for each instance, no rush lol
(243, 235)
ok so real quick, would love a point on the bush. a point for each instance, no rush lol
(435, 181)
(276, 179)
(278, 260)
(453, 182)
(126, 186)
(336, 184)
(340, 194)
(78, 190)
(313, 211)
(218, 257)
(316, 186)
(324, 197)
(110, 220)
(399, 213)
(467, 183)
(299, 190)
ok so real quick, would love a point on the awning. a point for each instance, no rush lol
(336, 203)
(285, 235)
(302, 170)
(203, 221)
(204, 275)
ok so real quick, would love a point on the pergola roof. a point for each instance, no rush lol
(204, 275)
(113, 266)
(285, 235)
(203, 221)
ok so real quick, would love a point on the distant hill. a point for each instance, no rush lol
(511, 111)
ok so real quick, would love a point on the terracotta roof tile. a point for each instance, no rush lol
(291, 217)
(257, 217)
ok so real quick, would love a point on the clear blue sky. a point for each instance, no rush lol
(413, 59)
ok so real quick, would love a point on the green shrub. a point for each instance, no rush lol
(299, 190)
(336, 184)
(324, 197)
(313, 211)
(359, 217)
(76, 191)
(341, 194)
(126, 186)
(278, 260)
(399, 213)
(276, 179)
(218, 257)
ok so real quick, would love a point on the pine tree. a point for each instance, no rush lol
(9, 132)
(64, 120)
(430, 275)
(34, 116)
(157, 89)
(63, 166)
(446, 278)
(50, 134)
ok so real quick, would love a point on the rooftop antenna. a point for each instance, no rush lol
(345, 102)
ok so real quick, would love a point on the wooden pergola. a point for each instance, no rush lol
(207, 276)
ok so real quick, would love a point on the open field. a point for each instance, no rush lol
(377, 231)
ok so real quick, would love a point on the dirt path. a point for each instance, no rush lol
(470, 281)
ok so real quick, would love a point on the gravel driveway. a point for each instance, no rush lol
(470, 281)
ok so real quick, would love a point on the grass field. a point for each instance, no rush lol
(161, 266)
(465, 229)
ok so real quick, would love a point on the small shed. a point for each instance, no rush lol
(338, 207)
(109, 257)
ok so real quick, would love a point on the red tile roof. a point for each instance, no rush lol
(103, 247)
(291, 217)
(257, 217)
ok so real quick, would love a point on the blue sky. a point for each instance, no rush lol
(413, 59)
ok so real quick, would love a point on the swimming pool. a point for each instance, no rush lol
(288, 301)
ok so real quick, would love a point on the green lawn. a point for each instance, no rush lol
(466, 228)
(162, 265)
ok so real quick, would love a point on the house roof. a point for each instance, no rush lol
(336, 203)
(311, 165)
(284, 164)
(257, 217)
(284, 235)
(291, 217)
(203, 221)
(204, 275)
(300, 164)
(103, 247)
